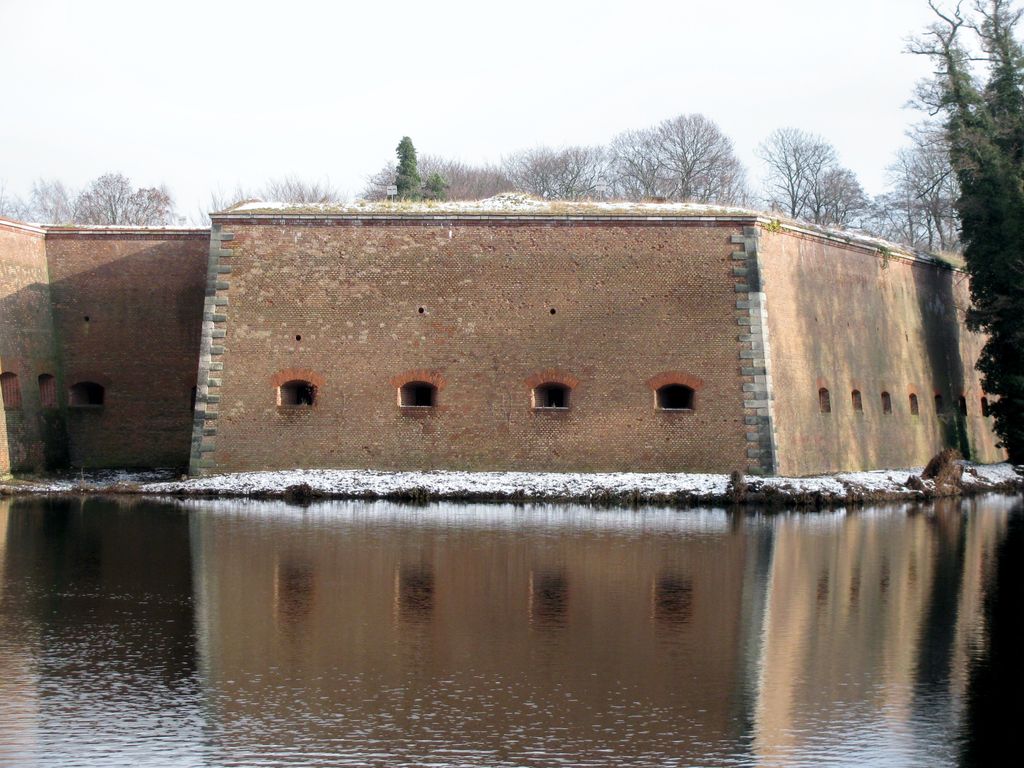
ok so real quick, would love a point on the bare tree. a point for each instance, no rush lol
(837, 199)
(805, 180)
(110, 199)
(635, 168)
(51, 202)
(292, 189)
(11, 207)
(377, 184)
(698, 161)
(919, 208)
(220, 201)
(466, 181)
(570, 173)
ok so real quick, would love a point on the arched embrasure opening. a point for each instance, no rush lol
(417, 394)
(551, 395)
(86, 394)
(47, 390)
(824, 401)
(674, 397)
(10, 390)
(296, 392)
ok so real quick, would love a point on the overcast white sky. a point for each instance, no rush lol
(201, 95)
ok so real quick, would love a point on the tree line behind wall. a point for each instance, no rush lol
(686, 158)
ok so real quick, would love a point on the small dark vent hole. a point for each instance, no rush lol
(298, 337)
(553, 310)
(421, 310)
(86, 318)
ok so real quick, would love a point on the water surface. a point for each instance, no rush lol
(349, 633)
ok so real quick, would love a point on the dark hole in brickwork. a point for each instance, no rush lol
(85, 393)
(986, 411)
(553, 310)
(858, 402)
(675, 397)
(551, 396)
(939, 406)
(824, 401)
(10, 390)
(418, 394)
(296, 392)
(962, 404)
(421, 310)
(47, 390)
(886, 403)
(915, 408)
(298, 337)
(86, 318)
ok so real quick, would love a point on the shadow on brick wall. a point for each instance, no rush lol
(131, 324)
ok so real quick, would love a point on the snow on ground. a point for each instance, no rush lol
(444, 484)
(537, 486)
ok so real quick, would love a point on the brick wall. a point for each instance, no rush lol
(843, 317)
(142, 292)
(30, 436)
(484, 309)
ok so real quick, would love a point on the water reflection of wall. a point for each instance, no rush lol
(96, 613)
(505, 637)
(19, 645)
(857, 628)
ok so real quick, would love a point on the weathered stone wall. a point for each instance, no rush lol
(485, 309)
(845, 317)
(127, 309)
(30, 436)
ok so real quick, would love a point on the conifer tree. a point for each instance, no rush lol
(407, 178)
(435, 188)
(985, 129)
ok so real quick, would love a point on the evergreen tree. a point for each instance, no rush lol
(407, 178)
(985, 130)
(436, 187)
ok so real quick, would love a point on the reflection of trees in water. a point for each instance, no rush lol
(549, 595)
(673, 598)
(990, 727)
(415, 590)
(295, 592)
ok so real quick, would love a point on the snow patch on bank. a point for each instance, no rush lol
(612, 487)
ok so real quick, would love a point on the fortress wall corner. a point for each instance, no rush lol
(30, 434)
(127, 307)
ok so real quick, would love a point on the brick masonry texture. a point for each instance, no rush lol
(142, 292)
(754, 317)
(608, 306)
(844, 317)
(143, 296)
(30, 436)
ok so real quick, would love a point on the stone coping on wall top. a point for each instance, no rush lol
(123, 231)
(102, 229)
(21, 226)
(878, 247)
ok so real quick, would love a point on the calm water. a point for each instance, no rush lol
(234, 633)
